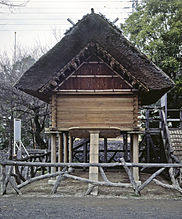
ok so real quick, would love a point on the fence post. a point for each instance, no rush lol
(2, 178)
(180, 119)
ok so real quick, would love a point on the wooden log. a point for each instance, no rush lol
(59, 179)
(37, 178)
(90, 189)
(85, 151)
(117, 164)
(60, 149)
(53, 151)
(150, 179)
(163, 184)
(125, 146)
(103, 174)
(135, 156)
(14, 187)
(65, 142)
(130, 176)
(70, 149)
(7, 180)
(122, 185)
(173, 180)
(3, 178)
(179, 189)
(105, 150)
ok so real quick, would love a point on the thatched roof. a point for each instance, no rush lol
(94, 31)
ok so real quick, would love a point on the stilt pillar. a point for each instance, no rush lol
(105, 150)
(135, 156)
(94, 158)
(60, 149)
(70, 149)
(65, 141)
(53, 152)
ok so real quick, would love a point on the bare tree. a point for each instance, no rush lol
(11, 4)
(17, 104)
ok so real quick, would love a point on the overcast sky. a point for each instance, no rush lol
(37, 21)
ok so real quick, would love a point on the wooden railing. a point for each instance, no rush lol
(7, 175)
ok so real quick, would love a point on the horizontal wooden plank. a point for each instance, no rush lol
(95, 124)
(118, 110)
(71, 98)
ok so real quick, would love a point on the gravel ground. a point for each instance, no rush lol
(69, 207)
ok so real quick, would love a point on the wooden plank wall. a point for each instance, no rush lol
(96, 111)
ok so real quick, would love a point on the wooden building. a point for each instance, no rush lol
(95, 81)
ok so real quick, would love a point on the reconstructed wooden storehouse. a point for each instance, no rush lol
(95, 81)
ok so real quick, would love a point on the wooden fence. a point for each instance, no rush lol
(7, 175)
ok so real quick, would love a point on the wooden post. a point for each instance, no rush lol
(131, 148)
(147, 149)
(54, 111)
(125, 146)
(60, 149)
(65, 142)
(70, 149)
(94, 158)
(180, 119)
(53, 152)
(105, 150)
(135, 157)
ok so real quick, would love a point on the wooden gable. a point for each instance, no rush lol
(93, 76)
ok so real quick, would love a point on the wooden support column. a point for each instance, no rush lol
(70, 149)
(125, 146)
(65, 142)
(147, 149)
(85, 151)
(135, 157)
(180, 119)
(105, 150)
(60, 149)
(54, 111)
(94, 158)
(53, 152)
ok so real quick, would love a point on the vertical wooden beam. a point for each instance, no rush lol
(65, 142)
(53, 152)
(135, 157)
(135, 111)
(60, 149)
(105, 150)
(54, 111)
(147, 149)
(94, 158)
(85, 151)
(125, 146)
(131, 148)
(70, 149)
(180, 119)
